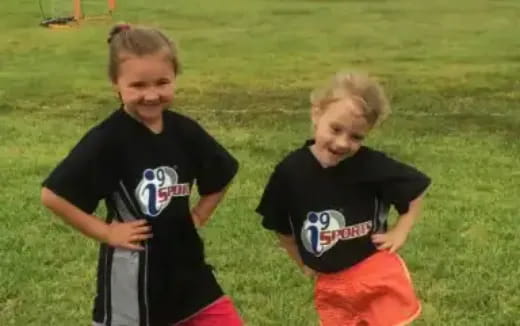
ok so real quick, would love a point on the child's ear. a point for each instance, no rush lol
(116, 90)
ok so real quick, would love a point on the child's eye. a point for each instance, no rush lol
(137, 85)
(335, 130)
(163, 82)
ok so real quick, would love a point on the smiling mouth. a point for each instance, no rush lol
(151, 105)
(336, 153)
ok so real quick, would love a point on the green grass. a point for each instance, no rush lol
(451, 68)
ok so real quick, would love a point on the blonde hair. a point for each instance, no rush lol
(139, 41)
(364, 91)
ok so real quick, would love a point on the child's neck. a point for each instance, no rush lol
(155, 126)
(316, 155)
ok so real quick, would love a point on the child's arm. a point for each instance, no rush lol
(394, 239)
(205, 207)
(289, 244)
(123, 235)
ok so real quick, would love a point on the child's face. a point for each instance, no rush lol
(339, 131)
(146, 85)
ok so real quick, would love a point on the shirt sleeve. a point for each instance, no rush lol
(273, 205)
(399, 183)
(215, 166)
(85, 176)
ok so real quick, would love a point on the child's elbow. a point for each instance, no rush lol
(46, 197)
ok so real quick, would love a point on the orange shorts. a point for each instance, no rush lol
(375, 292)
(220, 313)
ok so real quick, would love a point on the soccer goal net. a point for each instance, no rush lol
(63, 12)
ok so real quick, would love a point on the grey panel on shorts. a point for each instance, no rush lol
(124, 279)
(124, 288)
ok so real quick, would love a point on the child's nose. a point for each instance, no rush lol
(151, 96)
(342, 144)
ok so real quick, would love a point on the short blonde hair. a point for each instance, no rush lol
(363, 90)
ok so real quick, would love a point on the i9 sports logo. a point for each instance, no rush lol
(157, 188)
(322, 230)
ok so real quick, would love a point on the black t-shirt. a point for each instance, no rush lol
(140, 174)
(332, 212)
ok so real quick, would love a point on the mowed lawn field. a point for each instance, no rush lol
(450, 67)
